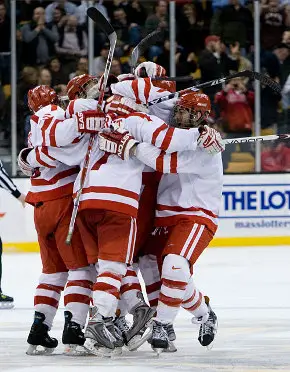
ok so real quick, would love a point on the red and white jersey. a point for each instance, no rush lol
(143, 91)
(192, 190)
(54, 179)
(79, 105)
(151, 129)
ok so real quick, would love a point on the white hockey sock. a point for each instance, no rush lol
(148, 267)
(194, 300)
(130, 288)
(48, 293)
(106, 290)
(77, 294)
(175, 276)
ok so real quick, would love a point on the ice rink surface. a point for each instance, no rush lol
(250, 293)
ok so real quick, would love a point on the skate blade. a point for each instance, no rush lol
(75, 350)
(90, 346)
(6, 305)
(33, 350)
(139, 340)
(171, 348)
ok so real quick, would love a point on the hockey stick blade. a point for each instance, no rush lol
(139, 49)
(100, 20)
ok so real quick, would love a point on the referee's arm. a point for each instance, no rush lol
(7, 184)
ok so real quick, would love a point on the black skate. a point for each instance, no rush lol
(141, 327)
(72, 337)
(99, 340)
(118, 342)
(159, 341)
(6, 302)
(208, 329)
(39, 336)
(171, 337)
(122, 326)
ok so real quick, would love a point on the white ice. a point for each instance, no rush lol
(249, 290)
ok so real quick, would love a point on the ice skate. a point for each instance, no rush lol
(39, 336)
(6, 302)
(171, 337)
(208, 329)
(73, 337)
(99, 340)
(118, 342)
(140, 330)
(122, 326)
(160, 341)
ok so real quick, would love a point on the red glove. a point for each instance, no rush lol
(117, 143)
(90, 121)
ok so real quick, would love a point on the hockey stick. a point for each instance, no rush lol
(247, 73)
(271, 137)
(139, 49)
(101, 21)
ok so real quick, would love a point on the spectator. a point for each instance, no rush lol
(28, 80)
(60, 90)
(128, 34)
(81, 12)
(82, 68)
(136, 12)
(44, 77)
(282, 52)
(214, 63)
(276, 158)
(236, 105)
(100, 61)
(69, 8)
(72, 44)
(59, 18)
(58, 76)
(158, 20)
(26, 8)
(191, 27)
(38, 40)
(116, 68)
(232, 23)
(272, 24)
(4, 46)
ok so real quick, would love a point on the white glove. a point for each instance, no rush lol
(25, 167)
(210, 140)
(90, 121)
(149, 69)
(117, 142)
(123, 105)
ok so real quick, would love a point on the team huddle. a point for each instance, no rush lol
(149, 205)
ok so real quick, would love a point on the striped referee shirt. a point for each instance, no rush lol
(6, 182)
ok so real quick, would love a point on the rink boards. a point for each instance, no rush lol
(255, 211)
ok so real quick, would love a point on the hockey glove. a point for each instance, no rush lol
(90, 121)
(25, 167)
(117, 143)
(210, 140)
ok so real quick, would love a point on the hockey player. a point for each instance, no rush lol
(185, 219)
(63, 266)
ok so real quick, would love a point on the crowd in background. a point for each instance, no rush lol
(214, 39)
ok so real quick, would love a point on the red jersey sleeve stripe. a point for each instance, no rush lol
(46, 124)
(167, 139)
(44, 149)
(136, 90)
(40, 161)
(160, 162)
(173, 162)
(52, 134)
(147, 89)
(157, 132)
(71, 108)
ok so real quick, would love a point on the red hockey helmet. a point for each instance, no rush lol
(79, 86)
(191, 109)
(41, 96)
